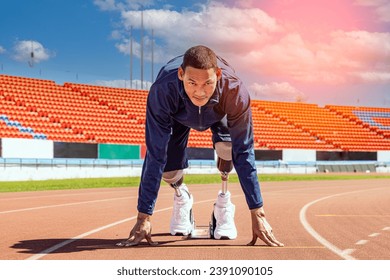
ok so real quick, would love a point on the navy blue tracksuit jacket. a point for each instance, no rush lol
(169, 116)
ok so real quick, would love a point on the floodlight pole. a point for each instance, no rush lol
(131, 57)
(152, 55)
(142, 49)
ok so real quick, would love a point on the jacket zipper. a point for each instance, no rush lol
(200, 118)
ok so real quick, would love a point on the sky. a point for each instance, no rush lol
(316, 51)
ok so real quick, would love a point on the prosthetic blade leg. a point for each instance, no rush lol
(224, 167)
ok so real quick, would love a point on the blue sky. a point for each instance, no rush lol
(324, 51)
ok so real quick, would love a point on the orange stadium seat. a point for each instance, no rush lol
(35, 108)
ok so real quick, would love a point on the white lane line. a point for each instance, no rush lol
(375, 234)
(348, 251)
(302, 217)
(361, 242)
(65, 204)
(386, 228)
(38, 196)
(73, 239)
(345, 254)
(68, 204)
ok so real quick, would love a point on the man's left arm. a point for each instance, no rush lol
(241, 131)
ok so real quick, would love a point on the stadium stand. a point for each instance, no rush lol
(79, 113)
(376, 119)
(326, 125)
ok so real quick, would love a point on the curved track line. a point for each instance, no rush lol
(345, 254)
(73, 239)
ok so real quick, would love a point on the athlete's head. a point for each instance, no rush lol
(200, 74)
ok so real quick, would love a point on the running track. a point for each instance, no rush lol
(315, 220)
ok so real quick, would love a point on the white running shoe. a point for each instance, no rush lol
(182, 221)
(224, 217)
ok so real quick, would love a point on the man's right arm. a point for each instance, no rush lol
(157, 135)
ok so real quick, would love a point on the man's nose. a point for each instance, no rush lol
(200, 92)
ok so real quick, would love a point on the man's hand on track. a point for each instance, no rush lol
(141, 230)
(262, 229)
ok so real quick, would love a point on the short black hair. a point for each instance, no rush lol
(200, 57)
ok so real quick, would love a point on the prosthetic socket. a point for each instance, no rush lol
(224, 164)
(174, 179)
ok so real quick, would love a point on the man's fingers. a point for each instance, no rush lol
(272, 238)
(267, 237)
(254, 239)
(150, 241)
(123, 243)
(264, 236)
(136, 240)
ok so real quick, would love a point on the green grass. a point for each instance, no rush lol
(189, 179)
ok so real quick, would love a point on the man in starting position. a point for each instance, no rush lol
(199, 90)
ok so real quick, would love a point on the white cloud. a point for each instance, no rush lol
(113, 5)
(2, 50)
(136, 84)
(374, 77)
(381, 8)
(384, 12)
(31, 51)
(346, 57)
(106, 5)
(276, 91)
(116, 35)
(357, 53)
(159, 53)
(257, 45)
(228, 30)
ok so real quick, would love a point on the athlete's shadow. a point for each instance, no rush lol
(62, 245)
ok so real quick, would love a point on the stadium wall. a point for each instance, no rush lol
(47, 149)
(29, 159)
(384, 156)
(26, 148)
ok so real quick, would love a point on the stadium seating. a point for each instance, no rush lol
(41, 109)
(376, 119)
(326, 126)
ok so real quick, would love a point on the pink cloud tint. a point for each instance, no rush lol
(301, 43)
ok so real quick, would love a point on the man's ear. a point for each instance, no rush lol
(219, 73)
(180, 73)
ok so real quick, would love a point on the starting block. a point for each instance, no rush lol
(204, 232)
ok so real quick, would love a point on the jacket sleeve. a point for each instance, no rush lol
(157, 135)
(239, 116)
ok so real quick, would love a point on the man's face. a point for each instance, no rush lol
(199, 84)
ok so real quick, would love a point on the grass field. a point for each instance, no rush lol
(189, 179)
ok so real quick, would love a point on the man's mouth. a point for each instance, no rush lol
(200, 98)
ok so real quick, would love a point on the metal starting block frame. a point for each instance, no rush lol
(202, 232)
